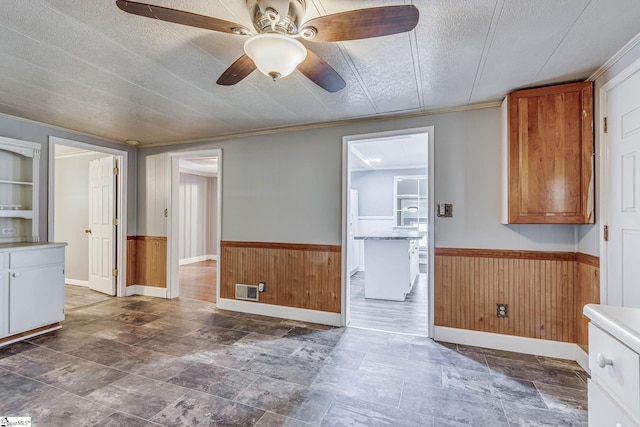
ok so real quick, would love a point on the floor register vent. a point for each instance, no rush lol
(247, 292)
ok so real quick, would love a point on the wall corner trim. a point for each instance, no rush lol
(583, 359)
(292, 313)
(538, 347)
(149, 291)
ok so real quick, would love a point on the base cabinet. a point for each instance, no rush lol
(604, 411)
(614, 362)
(390, 266)
(36, 298)
(31, 288)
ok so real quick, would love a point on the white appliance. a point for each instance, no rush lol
(355, 246)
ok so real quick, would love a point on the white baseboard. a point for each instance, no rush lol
(197, 259)
(149, 291)
(583, 359)
(76, 282)
(557, 349)
(304, 315)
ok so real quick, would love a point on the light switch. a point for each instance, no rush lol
(445, 210)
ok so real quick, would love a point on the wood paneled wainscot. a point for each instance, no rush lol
(296, 275)
(587, 292)
(147, 261)
(545, 292)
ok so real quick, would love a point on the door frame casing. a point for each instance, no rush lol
(122, 158)
(173, 256)
(346, 185)
(605, 173)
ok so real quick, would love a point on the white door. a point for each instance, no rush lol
(623, 140)
(102, 231)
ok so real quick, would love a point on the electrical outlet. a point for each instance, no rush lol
(502, 310)
(7, 231)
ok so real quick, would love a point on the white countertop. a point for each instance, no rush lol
(12, 247)
(392, 235)
(621, 322)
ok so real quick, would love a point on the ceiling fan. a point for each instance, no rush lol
(274, 48)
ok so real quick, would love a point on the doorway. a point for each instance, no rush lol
(194, 224)
(87, 186)
(387, 223)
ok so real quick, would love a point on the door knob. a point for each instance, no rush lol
(88, 231)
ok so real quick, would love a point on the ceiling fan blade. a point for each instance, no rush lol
(181, 17)
(237, 71)
(363, 23)
(321, 73)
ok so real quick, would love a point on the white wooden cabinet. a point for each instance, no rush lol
(31, 288)
(414, 262)
(614, 361)
(390, 264)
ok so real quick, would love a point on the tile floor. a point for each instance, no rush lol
(80, 296)
(140, 361)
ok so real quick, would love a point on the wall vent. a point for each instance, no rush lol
(247, 292)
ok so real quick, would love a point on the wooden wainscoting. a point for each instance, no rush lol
(587, 292)
(542, 291)
(131, 260)
(296, 275)
(147, 261)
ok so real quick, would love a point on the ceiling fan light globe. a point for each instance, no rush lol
(275, 54)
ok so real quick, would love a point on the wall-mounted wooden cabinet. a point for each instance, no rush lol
(548, 155)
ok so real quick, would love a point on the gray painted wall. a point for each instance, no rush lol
(72, 212)
(198, 208)
(14, 127)
(287, 187)
(375, 189)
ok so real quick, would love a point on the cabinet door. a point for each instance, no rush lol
(550, 155)
(604, 411)
(36, 298)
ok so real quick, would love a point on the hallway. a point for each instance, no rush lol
(198, 280)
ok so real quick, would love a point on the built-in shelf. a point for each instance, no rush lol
(4, 181)
(14, 213)
(19, 190)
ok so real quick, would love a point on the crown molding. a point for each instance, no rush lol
(615, 58)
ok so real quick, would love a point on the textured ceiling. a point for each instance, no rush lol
(87, 66)
(397, 152)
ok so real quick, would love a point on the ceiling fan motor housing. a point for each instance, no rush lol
(268, 15)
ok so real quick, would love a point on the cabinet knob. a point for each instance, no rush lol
(88, 231)
(16, 274)
(603, 361)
